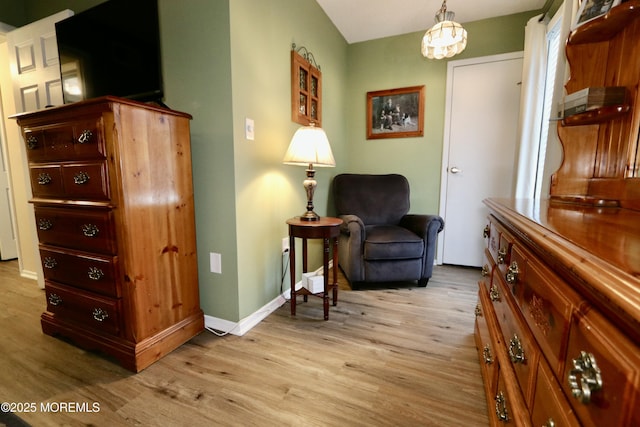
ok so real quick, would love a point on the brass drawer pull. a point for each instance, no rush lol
(54, 299)
(81, 178)
(44, 178)
(85, 136)
(512, 273)
(95, 273)
(32, 142)
(486, 232)
(478, 311)
(486, 355)
(485, 270)
(494, 295)
(50, 262)
(502, 255)
(550, 423)
(44, 224)
(90, 230)
(590, 379)
(501, 408)
(516, 352)
(100, 314)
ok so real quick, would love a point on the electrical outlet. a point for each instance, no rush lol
(215, 261)
(285, 244)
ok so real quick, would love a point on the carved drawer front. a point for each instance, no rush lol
(86, 309)
(494, 239)
(81, 139)
(77, 228)
(521, 349)
(488, 267)
(602, 373)
(546, 305)
(550, 407)
(484, 344)
(86, 180)
(46, 181)
(88, 271)
(504, 252)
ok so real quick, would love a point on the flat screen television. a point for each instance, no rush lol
(111, 49)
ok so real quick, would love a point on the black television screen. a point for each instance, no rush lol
(111, 49)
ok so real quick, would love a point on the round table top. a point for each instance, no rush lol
(325, 221)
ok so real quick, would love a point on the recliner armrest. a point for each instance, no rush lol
(352, 224)
(420, 224)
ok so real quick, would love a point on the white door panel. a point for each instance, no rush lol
(481, 119)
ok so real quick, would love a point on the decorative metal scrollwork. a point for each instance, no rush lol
(501, 408)
(49, 262)
(590, 379)
(516, 352)
(486, 355)
(85, 136)
(90, 230)
(494, 294)
(485, 270)
(81, 178)
(512, 273)
(44, 178)
(502, 255)
(308, 56)
(478, 311)
(95, 273)
(44, 224)
(54, 299)
(100, 314)
(486, 232)
(32, 142)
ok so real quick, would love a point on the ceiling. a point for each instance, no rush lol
(361, 20)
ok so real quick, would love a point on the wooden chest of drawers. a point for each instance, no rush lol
(113, 197)
(558, 318)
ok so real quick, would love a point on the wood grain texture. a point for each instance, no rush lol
(402, 356)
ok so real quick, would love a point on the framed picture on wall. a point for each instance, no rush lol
(592, 9)
(395, 113)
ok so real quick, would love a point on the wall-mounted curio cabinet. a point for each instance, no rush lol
(601, 156)
(306, 88)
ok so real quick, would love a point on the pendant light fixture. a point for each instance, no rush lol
(445, 39)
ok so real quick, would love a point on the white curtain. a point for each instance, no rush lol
(531, 105)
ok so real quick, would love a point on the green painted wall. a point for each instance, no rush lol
(224, 61)
(396, 62)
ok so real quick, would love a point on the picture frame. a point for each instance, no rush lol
(592, 9)
(395, 113)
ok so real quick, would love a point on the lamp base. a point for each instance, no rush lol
(310, 216)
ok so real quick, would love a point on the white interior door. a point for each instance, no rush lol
(8, 239)
(481, 120)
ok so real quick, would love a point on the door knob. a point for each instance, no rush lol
(455, 169)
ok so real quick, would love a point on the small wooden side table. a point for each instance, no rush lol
(328, 229)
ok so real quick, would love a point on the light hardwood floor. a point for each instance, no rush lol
(402, 356)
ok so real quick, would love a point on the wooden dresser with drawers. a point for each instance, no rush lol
(113, 198)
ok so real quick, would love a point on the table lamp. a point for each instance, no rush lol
(309, 146)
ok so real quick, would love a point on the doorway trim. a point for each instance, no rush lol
(446, 141)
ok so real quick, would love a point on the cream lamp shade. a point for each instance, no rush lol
(309, 146)
(446, 38)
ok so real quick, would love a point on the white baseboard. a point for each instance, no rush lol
(245, 325)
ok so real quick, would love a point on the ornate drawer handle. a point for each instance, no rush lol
(501, 408)
(32, 142)
(100, 314)
(494, 295)
(590, 378)
(90, 230)
(85, 136)
(512, 273)
(486, 355)
(95, 273)
(44, 224)
(516, 352)
(50, 262)
(485, 270)
(478, 311)
(486, 232)
(44, 178)
(502, 255)
(81, 178)
(54, 299)
(550, 423)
